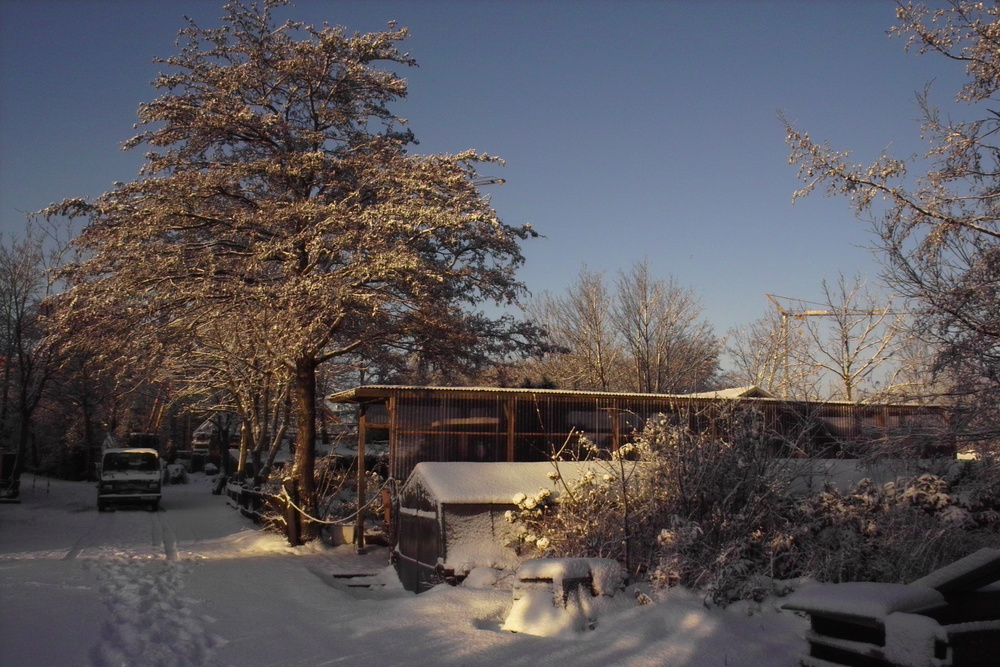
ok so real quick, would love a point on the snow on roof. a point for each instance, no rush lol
(749, 391)
(966, 574)
(378, 393)
(485, 483)
(130, 450)
(864, 599)
(370, 391)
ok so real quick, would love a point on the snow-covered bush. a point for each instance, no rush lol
(727, 505)
(526, 534)
(675, 506)
(709, 509)
(892, 533)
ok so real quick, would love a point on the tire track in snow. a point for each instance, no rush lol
(103, 522)
(149, 621)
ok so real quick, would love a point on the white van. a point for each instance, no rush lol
(129, 476)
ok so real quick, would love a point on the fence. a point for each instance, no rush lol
(252, 503)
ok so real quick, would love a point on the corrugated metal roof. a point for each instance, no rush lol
(379, 393)
(375, 391)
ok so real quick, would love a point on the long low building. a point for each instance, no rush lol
(419, 424)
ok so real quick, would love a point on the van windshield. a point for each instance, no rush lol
(122, 461)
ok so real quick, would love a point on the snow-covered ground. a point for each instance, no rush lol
(196, 584)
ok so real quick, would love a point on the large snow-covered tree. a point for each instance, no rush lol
(278, 180)
(936, 215)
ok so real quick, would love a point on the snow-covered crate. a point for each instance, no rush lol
(950, 617)
(451, 517)
(554, 596)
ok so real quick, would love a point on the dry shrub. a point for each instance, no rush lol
(675, 506)
(712, 512)
(892, 533)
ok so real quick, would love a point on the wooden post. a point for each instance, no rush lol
(511, 413)
(359, 528)
(387, 518)
(616, 426)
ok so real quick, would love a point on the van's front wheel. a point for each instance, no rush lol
(154, 506)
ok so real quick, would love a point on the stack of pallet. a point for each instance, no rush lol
(950, 618)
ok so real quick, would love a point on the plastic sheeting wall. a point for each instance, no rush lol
(440, 424)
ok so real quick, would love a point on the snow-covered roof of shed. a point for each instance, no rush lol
(457, 482)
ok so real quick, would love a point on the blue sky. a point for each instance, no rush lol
(629, 129)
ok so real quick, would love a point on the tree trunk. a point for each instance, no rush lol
(246, 444)
(25, 410)
(304, 461)
(92, 449)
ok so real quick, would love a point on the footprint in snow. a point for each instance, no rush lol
(150, 622)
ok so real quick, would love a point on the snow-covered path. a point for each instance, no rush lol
(105, 588)
(196, 584)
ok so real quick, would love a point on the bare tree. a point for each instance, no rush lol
(579, 324)
(854, 338)
(28, 358)
(771, 353)
(938, 231)
(83, 401)
(645, 336)
(671, 349)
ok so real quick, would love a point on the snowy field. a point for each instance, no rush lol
(196, 584)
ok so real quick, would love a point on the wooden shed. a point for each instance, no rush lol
(518, 425)
(490, 424)
(450, 517)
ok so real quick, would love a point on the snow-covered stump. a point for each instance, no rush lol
(950, 618)
(563, 596)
